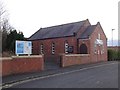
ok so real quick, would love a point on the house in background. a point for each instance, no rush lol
(116, 48)
(71, 38)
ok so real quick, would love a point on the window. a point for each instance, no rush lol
(66, 47)
(70, 49)
(53, 48)
(102, 49)
(99, 36)
(83, 49)
(95, 48)
(41, 48)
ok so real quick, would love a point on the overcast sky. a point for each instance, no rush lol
(30, 15)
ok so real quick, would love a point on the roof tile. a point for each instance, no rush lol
(57, 31)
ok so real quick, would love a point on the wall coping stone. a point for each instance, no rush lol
(10, 58)
(5, 58)
(77, 54)
(31, 56)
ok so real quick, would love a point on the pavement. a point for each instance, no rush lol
(26, 76)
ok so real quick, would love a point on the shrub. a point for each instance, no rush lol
(118, 55)
(113, 55)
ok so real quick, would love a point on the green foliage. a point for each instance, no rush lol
(11, 38)
(4, 37)
(119, 55)
(113, 55)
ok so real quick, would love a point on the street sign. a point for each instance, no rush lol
(70, 49)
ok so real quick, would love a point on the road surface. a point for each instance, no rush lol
(96, 76)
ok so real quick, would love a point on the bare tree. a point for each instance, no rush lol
(4, 27)
(1, 14)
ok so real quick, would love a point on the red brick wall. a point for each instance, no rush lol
(59, 45)
(83, 28)
(85, 58)
(35, 47)
(22, 64)
(6, 66)
(74, 59)
(95, 57)
(86, 42)
(72, 41)
(68, 60)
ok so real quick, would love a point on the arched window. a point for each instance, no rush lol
(99, 36)
(53, 48)
(95, 48)
(66, 47)
(83, 49)
(41, 49)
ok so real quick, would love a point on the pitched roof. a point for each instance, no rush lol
(57, 31)
(87, 32)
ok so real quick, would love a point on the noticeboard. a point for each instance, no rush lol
(70, 49)
(98, 41)
(23, 47)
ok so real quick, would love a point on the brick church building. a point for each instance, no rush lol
(71, 38)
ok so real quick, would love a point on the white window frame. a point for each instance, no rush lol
(102, 49)
(95, 48)
(41, 49)
(99, 36)
(53, 48)
(66, 47)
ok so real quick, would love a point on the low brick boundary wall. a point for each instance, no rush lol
(74, 59)
(21, 64)
(5, 64)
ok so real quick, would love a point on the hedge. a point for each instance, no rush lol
(113, 55)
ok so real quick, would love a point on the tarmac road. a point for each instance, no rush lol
(96, 76)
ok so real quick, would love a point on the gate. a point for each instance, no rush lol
(52, 62)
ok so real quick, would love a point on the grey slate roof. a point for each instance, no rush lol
(57, 31)
(87, 32)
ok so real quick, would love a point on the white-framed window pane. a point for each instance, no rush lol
(99, 36)
(41, 48)
(53, 48)
(95, 48)
(66, 47)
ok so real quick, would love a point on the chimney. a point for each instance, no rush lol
(74, 33)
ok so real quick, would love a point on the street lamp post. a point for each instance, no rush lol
(112, 36)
